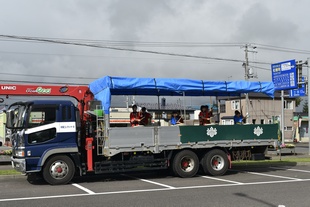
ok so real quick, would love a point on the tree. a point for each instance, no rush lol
(298, 101)
(305, 107)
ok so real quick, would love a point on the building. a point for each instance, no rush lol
(2, 127)
(301, 129)
(261, 110)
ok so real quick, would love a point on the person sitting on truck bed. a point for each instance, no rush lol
(204, 117)
(238, 118)
(145, 117)
(176, 118)
(134, 116)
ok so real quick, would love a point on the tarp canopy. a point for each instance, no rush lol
(104, 87)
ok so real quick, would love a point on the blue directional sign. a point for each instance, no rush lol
(284, 75)
(298, 91)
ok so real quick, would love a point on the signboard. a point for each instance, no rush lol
(298, 91)
(284, 75)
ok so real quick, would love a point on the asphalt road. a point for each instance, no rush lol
(286, 186)
(272, 187)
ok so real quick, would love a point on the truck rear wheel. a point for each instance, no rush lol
(215, 162)
(58, 170)
(185, 164)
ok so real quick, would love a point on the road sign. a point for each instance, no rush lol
(299, 91)
(284, 75)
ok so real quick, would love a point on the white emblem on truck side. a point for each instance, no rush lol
(258, 131)
(211, 132)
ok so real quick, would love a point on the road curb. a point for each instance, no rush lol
(5, 158)
(5, 177)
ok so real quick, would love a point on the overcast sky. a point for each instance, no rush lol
(219, 27)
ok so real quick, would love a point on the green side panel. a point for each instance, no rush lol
(228, 132)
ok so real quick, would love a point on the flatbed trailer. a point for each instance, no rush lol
(226, 143)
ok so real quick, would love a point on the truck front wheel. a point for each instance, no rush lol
(58, 170)
(185, 164)
(215, 162)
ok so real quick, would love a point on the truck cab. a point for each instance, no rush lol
(40, 129)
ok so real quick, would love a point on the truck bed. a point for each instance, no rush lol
(159, 138)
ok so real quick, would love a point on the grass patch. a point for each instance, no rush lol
(293, 159)
(277, 161)
(9, 172)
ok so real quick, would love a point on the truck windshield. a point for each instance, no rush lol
(16, 118)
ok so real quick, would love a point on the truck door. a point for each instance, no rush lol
(50, 129)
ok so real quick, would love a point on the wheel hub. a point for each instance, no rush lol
(59, 169)
(217, 162)
(187, 164)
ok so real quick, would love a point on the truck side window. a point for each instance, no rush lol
(42, 136)
(41, 116)
(66, 113)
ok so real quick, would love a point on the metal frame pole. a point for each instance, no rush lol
(282, 116)
(308, 99)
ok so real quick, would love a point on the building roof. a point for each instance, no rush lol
(277, 95)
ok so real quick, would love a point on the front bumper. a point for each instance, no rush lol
(19, 164)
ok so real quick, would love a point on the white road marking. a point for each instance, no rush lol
(244, 184)
(149, 181)
(229, 181)
(296, 170)
(156, 183)
(83, 188)
(151, 190)
(275, 176)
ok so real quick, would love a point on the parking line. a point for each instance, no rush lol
(150, 190)
(219, 179)
(149, 181)
(156, 183)
(295, 170)
(83, 188)
(275, 176)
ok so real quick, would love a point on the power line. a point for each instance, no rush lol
(114, 45)
(48, 76)
(102, 56)
(56, 41)
(281, 49)
(141, 43)
(261, 68)
(41, 82)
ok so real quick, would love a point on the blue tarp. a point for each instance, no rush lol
(104, 87)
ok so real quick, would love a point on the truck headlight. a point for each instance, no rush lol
(20, 153)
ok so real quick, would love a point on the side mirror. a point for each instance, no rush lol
(10, 119)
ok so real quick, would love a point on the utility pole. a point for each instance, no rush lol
(247, 76)
(246, 66)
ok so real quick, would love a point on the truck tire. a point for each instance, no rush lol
(215, 162)
(185, 164)
(35, 178)
(58, 170)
